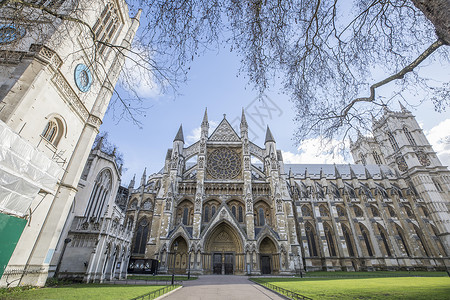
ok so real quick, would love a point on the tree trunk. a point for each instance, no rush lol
(438, 12)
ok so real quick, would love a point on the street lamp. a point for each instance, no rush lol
(189, 265)
(175, 248)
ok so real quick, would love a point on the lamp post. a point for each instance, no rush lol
(175, 248)
(66, 241)
(189, 265)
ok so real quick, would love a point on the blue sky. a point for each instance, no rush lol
(213, 82)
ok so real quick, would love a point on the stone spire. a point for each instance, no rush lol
(132, 182)
(144, 176)
(205, 118)
(99, 143)
(179, 136)
(403, 108)
(368, 175)
(269, 136)
(243, 119)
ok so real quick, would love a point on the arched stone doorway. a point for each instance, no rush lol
(268, 257)
(224, 251)
(178, 259)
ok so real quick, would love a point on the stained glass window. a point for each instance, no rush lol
(224, 164)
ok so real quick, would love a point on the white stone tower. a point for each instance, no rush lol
(402, 144)
(56, 85)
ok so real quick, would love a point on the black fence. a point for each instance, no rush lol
(287, 293)
(156, 293)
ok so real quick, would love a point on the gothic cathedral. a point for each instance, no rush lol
(225, 205)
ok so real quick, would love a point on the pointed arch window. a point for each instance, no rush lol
(375, 212)
(311, 240)
(213, 211)
(377, 158)
(358, 211)
(241, 214)
(340, 211)
(366, 240)
(393, 142)
(53, 131)
(323, 211)
(385, 242)
(206, 217)
(141, 237)
(186, 216)
(409, 136)
(437, 185)
(330, 240)
(402, 239)
(306, 211)
(421, 240)
(260, 216)
(233, 210)
(99, 195)
(392, 212)
(363, 159)
(348, 240)
(106, 26)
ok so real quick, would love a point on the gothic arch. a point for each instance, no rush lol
(100, 193)
(178, 259)
(223, 236)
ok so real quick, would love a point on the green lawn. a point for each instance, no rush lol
(159, 277)
(366, 288)
(378, 274)
(84, 291)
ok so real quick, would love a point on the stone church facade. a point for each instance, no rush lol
(225, 205)
(55, 87)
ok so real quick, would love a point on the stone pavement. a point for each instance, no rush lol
(222, 287)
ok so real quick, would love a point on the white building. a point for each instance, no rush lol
(56, 84)
(95, 243)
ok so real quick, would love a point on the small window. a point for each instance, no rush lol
(241, 214)
(393, 142)
(363, 158)
(358, 211)
(409, 136)
(437, 185)
(377, 158)
(53, 131)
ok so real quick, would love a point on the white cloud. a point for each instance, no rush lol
(136, 76)
(194, 136)
(314, 151)
(439, 138)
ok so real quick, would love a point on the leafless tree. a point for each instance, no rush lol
(327, 54)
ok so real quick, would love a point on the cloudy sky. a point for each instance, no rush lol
(214, 83)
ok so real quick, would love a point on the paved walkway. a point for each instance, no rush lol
(222, 287)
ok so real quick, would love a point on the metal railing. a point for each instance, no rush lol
(157, 293)
(282, 291)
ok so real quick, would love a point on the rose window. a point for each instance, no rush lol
(224, 163)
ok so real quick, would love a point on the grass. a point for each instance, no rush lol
(159, 277)
(377, 274)
(82, 291)
(365, 288)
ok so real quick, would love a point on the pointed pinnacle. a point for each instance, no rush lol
(179, 136)
(243, 120)
(205, 117)
(336, 172)
(368, 175)
(352, 173)
(269, 136)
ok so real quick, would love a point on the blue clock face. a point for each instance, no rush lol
(83, 78)
(10, 33)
